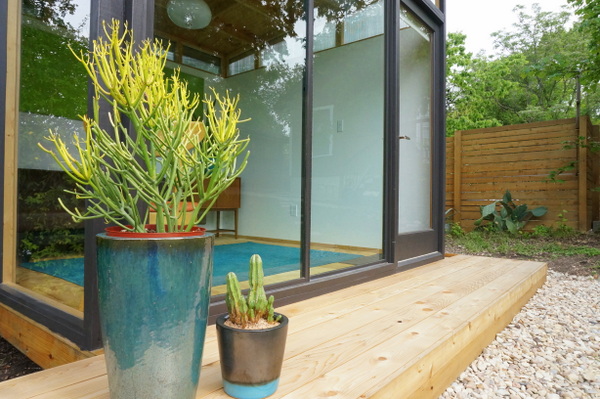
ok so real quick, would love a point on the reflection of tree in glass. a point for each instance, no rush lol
(51, 12)
(284, 60)
(284, 14)
(45, 229)
(339, 10)
(282, 77)
(52, 81)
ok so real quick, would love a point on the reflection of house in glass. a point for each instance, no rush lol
(329, 194)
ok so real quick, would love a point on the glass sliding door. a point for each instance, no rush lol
(347, 135)
(256, 50)
(52, 95)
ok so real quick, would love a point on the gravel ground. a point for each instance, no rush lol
(13, 363)
(551, 349)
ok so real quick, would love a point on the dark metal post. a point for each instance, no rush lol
(391, 128)
(307, 123)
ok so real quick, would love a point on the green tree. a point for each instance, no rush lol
(589, 13)
(554, 57)
(534, 76)
(475, 87)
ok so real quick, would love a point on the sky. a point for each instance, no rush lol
(479, 18)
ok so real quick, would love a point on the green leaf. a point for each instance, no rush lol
(511, 226)
(520, 212)
(488, 210)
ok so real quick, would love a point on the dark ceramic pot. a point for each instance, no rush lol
(251, 359)
(154, 295)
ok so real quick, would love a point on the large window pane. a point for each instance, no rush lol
(53, 93)
(265, 42)
(347, 170)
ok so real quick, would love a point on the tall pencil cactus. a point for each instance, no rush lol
(145, 154)
(242, 310)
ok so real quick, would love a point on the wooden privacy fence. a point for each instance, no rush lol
(481, 164)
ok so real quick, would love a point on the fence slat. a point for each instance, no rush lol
(479, 141)
(582, 173)
(503, 157)
(595, 177)
(457, 175)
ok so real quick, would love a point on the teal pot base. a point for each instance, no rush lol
(250, 391)
(153, 300)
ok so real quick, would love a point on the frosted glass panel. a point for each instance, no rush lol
(414, 185)
(364, 23)
(242, 65)
(325, 32)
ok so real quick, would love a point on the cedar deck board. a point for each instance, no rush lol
(351, 343)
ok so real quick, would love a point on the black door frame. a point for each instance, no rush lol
(418, 248)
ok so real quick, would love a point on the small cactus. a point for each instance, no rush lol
(235, 301)
(244, 311)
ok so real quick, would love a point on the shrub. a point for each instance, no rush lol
(455, 230)
(505, 215)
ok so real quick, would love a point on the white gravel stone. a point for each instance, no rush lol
(551, 349)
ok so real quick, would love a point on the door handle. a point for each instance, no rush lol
(403, 138)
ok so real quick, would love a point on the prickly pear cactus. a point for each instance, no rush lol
(242, 310)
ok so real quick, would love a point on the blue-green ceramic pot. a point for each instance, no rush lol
(251, 360)
(154, 295)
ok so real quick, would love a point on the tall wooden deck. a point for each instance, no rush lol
(404, 336)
